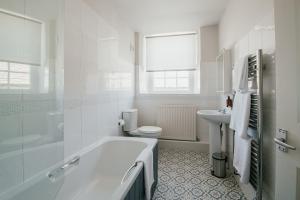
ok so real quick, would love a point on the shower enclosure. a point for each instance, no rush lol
(31, 97)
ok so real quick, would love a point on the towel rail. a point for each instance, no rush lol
(255, 73)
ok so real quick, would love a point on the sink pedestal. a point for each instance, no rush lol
(215, 118)
(214, 139)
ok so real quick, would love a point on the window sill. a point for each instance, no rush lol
(155, 95)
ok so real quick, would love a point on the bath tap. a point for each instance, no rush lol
(223, 111)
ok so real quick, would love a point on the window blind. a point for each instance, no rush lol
(171, 52)
(20, 39)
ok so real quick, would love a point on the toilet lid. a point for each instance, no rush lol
(150, 129)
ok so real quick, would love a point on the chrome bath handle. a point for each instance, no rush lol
(74, 161)
(281, 141)
(127, 173)
(53, 175)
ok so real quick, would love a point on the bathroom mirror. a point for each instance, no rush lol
(224, 72)
(31, 91)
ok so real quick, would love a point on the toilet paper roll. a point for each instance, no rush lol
(121, 122)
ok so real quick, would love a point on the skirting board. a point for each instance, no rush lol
(250, 192)
(197, 146)
(247, 189)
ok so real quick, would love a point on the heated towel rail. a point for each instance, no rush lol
(255, 78)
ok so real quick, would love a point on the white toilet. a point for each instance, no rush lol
(130, 126)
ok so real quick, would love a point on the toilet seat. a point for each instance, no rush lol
(147, 131)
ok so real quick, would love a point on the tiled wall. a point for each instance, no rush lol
(99, 72)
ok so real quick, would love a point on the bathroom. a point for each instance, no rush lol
(138, 99)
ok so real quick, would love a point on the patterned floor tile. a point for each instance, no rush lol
(186, 175)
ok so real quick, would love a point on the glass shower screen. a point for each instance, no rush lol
(31, 98)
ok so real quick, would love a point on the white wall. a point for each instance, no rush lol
(240, 17)
(246, 26)
(209, 42)
(148, 105)
(99, 72)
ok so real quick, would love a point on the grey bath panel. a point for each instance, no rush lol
(155, 168)
(137, 190)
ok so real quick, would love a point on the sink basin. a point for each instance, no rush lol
(215, 116)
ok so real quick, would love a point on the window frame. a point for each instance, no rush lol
(15, 87)
(175, 90)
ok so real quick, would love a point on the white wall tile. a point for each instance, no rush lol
(89, 124)
(11, 171)
(73, 13)
(72, 130)
(10, 130)
(40, 158)
(102, 49)
(244, 46)
(268, 38)
(255, 41)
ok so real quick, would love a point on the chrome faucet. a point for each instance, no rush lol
(223, 111)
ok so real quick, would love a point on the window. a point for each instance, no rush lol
(169, 80)
(14, 76)
(170, 64)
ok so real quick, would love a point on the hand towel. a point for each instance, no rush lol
(240, 75)
(242, 157)
(240, 114)
(147, 158)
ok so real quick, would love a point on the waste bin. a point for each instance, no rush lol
(219, 165)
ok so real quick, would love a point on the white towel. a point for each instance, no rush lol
(252, 133)
(242, 142)
(240, 75)
(240, 114)
(241, 157)
(147, 158)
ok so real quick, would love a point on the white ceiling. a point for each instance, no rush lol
(158, 16)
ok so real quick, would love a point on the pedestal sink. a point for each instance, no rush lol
(215, 119)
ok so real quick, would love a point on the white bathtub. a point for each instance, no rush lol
(97, 176)
(102, 168)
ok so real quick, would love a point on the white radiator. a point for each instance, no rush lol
(178, 122)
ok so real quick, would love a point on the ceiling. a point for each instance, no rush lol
(158, 16)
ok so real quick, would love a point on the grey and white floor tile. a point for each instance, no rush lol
(186, 175)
